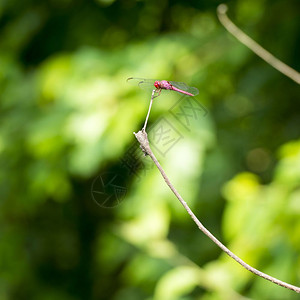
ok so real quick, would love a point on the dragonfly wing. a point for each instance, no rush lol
(142, 82)
(193, 90)
(185, 87)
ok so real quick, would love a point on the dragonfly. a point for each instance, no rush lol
(159, 85)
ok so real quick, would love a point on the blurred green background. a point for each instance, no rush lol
(82, 214)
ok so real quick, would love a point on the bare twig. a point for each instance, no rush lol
(144, 144)
(143, 140)
(150, 105)
(255, 47)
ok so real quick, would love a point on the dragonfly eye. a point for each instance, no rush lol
(156, 84)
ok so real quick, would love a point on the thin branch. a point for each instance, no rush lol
(143, 140)
(255, 47)
(150, 105)
(144, 144)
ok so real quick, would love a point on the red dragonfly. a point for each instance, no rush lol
(159, 85)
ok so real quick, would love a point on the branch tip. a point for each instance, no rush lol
(222, 9)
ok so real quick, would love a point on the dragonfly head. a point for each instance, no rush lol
(157, 84)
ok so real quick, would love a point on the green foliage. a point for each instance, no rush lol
(66, 122)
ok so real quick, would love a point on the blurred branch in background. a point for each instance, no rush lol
(255, 47)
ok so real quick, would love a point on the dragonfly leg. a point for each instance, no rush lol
(155, 93)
